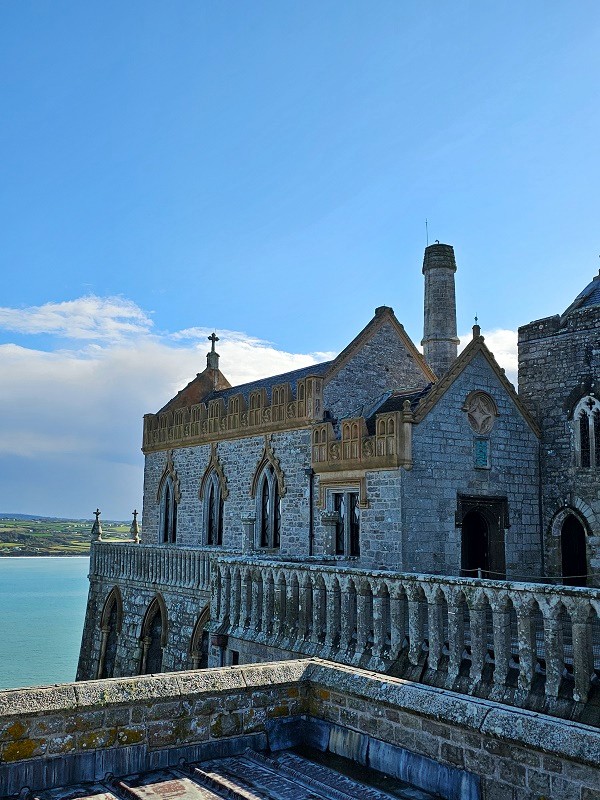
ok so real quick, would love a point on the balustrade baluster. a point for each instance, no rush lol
(268, 609)
(477, 609)
(333, 611)
(379, 635)
(415, 624)
(583, 659)
(364, 620)
(436, 627)
(527, 643)
(502, 637)
(456, 633)
(305, 597)
(316, 629)
(398, 621)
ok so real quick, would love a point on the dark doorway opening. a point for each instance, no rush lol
(483, 521)
(475, 545)
(574, 558)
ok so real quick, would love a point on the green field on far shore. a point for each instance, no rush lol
(40, 536)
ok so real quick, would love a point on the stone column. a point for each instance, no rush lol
(268, 609)
(363, 619)
(317, 612)
(235, 600)
(502, 638)
(440, 342)
(346, 617)
(456, 633)
(553, 644)
(379, 632)
(305, 608)
(582, 650)
(415, 626)
(245, 599)
(527, 644)
(280, 604)
(477, 611)
(398, 621)
(248, 523)
(333, 621)
(255, 611)
(292, 608)
(436, 625)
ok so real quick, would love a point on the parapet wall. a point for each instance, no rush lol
(62, 735)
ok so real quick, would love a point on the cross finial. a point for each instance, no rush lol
(97, 514)
(135, 513)
(214, 339)
(476, 318)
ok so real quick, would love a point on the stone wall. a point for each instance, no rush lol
(559, 363)
(382, 364)
(185, 594)
(443, 467)
(239, 459)
(463, 748)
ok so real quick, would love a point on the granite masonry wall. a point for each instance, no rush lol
(444, 466)
(463, 748)
(558, 365)
(381, 365)
(239, 459)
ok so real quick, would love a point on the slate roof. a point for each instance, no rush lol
(270, 382)
(394, 401)
(590, 296)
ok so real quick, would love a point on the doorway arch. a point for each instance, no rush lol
(573, 552)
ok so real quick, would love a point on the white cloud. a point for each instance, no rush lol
(90, 317)
(71, 419)
(503, 344)
(75, 415)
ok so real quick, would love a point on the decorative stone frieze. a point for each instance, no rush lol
(202, 423)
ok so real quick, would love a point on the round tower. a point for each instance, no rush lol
(440, 342)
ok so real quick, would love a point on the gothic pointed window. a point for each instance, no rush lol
(586, 418)
(213, 512)
(168, 512)
(269, 509)
(168, 497)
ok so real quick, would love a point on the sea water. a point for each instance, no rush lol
(42, 608)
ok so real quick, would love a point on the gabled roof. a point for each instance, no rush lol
(394, 401)
(590, 296)
(475, 347)
(268, 383)
(383, 315)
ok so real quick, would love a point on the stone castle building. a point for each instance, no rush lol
(385, 515)
(356, 508)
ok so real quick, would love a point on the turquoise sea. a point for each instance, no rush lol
(42, 607)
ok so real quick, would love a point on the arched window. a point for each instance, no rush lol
(586, 418)
(213, 510)
(168, 497)
(154, 637)
(110, 627)
(168, 512)
(199, 641)
(268, 508)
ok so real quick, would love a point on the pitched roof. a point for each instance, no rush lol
(590, 296)
(268, 383)
(439, 389)
(394, 401)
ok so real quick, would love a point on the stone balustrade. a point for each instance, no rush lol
(177, 567)
(495, 632)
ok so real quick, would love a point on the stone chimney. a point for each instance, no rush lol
(440, 342)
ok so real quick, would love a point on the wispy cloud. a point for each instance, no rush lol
(71, 418)
(89, 317)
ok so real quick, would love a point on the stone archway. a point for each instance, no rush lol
(475, 545)
(154, 636)
(573, 547)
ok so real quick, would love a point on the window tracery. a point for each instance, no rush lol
(168, 497)
(268, 487)
(586, 417)
(213, 492)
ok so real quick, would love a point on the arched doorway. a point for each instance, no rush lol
(475, 545)
(573, 550)
(110, 627)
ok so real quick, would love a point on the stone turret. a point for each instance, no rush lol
(440, 342)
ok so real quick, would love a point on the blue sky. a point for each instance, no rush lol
(266, 169)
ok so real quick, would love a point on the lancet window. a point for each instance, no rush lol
(213, 510)
(168, 497)
(269, 509)
(587, 433)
